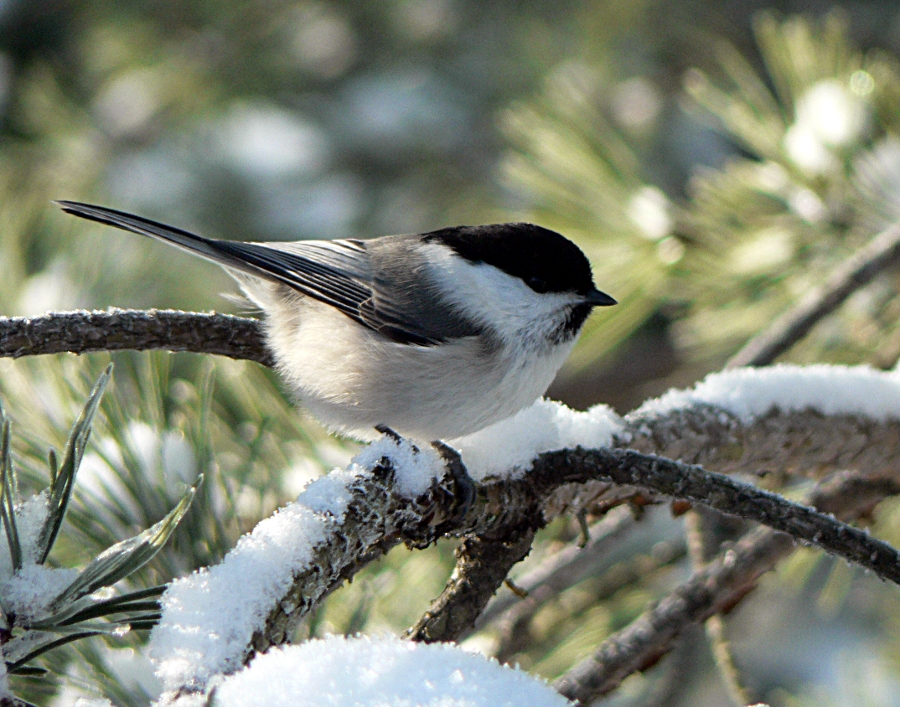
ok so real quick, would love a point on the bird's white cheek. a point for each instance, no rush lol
(498, 301)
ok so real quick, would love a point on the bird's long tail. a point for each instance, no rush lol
(250, 258)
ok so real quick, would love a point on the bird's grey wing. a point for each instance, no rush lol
(396, 301)
(404, 292)
(337, 273)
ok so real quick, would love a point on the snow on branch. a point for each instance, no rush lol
(802, 419)
(214, 619)
(381, 671)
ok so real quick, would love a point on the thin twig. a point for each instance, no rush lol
(563, 569)
(717, 586)
(726, 495)
(140, 330)
(707, 531)
(704, 543)
(513, 629)
(729, 671)
(857, 271)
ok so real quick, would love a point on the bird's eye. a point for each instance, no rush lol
(537, 284)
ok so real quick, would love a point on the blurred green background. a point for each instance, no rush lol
(716, 160)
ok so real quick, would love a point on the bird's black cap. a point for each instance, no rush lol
(543, 259)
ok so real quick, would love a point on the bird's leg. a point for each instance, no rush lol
(463, 485)
(388, 432)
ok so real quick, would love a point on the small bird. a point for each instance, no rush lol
(433, 335)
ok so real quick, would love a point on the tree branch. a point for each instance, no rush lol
(482, 565)
(857, 271)
(564, 568)
(880, 253)
(711, 590)
(378, 516)
(139, 330)
(80, 332)
(484, 560)
(804, 441)
(513, 628)
(511, 504)
(726, 495)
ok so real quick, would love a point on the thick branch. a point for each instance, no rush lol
(482, 565)
(857, 271)
(139, 330)
(377, 519)
(711, 590)
(512, 503)
(726, 495)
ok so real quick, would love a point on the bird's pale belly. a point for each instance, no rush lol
(419, 391)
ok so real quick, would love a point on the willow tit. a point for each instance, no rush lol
(434, 335)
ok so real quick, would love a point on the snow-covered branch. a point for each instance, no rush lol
(801, 419)
(215, 619)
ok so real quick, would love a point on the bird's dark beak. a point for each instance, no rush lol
(596, 298)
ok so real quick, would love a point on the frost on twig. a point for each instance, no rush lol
(785, 418)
